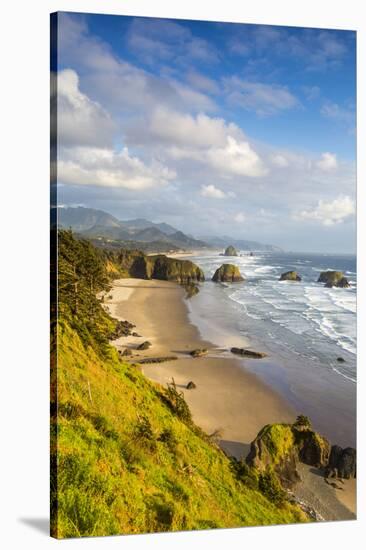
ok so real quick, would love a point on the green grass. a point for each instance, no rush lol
(126, 456)
(128, 462)
(279, 440)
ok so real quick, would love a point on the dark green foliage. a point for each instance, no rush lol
(270, 486)
(302, 421)
(164, 514)
(167, 437)
(82, 273)
(102, 425)
(145, 434)
(177, 403)
(245, 473)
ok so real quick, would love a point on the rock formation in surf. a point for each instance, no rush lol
(228, 273)
(290, 276)
(333, 278)
(230, 251)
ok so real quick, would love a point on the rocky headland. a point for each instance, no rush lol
(134, 263)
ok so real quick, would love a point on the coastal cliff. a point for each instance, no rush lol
(127, 456)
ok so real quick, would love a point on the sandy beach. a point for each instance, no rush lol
(227, 397)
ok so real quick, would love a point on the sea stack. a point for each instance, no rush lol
(230, 251)
(227, 273)
(333, 278)
(290, 276)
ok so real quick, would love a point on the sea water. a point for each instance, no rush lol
(303, 326)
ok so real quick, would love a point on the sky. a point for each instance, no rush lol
(215, 128)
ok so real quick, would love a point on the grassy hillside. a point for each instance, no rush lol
(126, 456)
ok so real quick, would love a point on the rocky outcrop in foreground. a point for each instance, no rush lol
(280, 448)
(342, 463)
(290, 276)
(227, 273)
(122, 328)
(333, 278)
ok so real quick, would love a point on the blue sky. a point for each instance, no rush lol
(213, 127)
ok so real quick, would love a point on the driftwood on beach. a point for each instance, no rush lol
(248, 353)
(148, 360)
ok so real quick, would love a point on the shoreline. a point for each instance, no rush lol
(223, 388)
(228, 399)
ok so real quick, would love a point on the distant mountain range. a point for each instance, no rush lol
(104, 229)
(99, 224)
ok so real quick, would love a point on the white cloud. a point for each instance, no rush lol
(117, 83)
(200, 131)
(80, 121)
(212, 142)
(328, 162)
(236, 158)
(279, 160)
(239, 218)
(329, 213)
(264, 99)
(212, 192)
(108, 168)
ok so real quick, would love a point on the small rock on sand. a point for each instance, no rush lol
(199, 352)
(144, 345)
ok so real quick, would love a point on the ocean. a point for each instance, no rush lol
(303, 326)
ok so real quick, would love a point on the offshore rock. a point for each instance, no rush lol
(228, 273)
(290, 276)
(333, 278)
(230, 251)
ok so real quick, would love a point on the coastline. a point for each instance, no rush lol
(228, 399)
